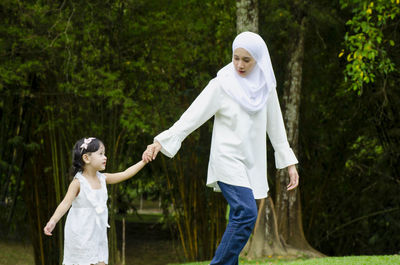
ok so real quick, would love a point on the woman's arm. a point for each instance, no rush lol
(63, 207)
(113, 178)
(284, 156)
(202, 109)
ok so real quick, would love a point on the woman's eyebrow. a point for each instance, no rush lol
(244, 57)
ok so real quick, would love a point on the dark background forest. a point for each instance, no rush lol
(125, 70)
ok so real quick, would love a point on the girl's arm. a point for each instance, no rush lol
(63, 207)
(113, 178)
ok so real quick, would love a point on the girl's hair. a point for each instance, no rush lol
(83, 146)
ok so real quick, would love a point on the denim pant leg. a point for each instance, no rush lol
(242, 217)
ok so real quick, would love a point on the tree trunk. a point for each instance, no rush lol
(246, 15)
(288, 203)
(280, 234)
(265, 240)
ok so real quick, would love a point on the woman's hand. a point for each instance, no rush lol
(151, 152)
(294, 177)
(49, 227)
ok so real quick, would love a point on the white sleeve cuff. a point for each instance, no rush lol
(170, 143)
(284, 156)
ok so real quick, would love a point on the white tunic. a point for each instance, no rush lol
(238, 153)
(85, 229)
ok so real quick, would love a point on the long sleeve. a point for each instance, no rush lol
(284, 155)
(202, 109)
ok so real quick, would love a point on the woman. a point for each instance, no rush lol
(245, 104)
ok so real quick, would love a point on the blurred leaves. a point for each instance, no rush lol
(368, 41)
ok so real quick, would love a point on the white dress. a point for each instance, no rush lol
(238, 153)
(85, 229)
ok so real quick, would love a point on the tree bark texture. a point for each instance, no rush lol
(265, 240)
(280, 232)
(288, 203)
(246, 15)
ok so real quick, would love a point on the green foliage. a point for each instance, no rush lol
(349, 147)
(121, 71)
(369, 41)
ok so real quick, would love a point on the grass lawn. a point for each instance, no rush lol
(15, 253)
(353, 260)
(148, 244)
(12, 253)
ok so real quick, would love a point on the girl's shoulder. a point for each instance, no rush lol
(101, 176)
(75, 182)
(75, 185)
(79, 180)
(79, 177)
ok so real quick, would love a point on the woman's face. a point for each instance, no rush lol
(243, 62)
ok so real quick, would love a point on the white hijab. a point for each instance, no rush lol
(251, 91)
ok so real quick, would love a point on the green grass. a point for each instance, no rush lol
(15, 254)
(353, 260)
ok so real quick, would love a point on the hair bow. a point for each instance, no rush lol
(86, 141)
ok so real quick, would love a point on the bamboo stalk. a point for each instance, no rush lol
(123, 240)
(38, 222)
(14, 156)
(170, 187)
(56, 175)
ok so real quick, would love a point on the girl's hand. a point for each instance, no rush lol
(294, 177)
(151, 152)
(49, 227)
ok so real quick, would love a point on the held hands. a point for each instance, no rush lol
(49, 227)
(151, 152)
(294, 177)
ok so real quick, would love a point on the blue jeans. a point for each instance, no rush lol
(242, 217)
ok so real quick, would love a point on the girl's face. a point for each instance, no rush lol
(243, 62)
(98, 159)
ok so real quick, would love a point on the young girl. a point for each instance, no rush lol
(85, 229)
